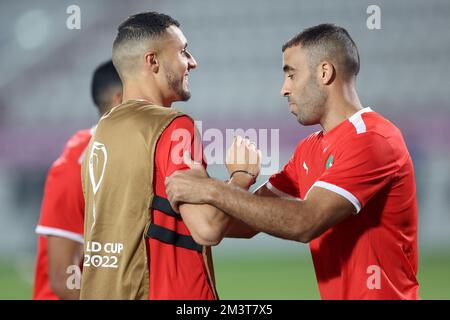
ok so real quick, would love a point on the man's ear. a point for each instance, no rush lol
(152, 61)
(327, 72)
(117, 98)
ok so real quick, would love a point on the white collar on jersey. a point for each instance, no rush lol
(358, 121)
(359, 113)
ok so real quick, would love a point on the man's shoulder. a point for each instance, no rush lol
(309, 141)
(367, 127)
(80, 138)
(74, 148)
(181, 128)
(377, 136)
(154, 110)
(138, 111)
(168, 118)
(182, 121)
(374, 123)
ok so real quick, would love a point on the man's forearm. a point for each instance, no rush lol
(278, 217)
(68, 294)
(58, 283)
(220, 217)
(218, 221)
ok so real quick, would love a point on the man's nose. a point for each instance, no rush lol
(284, 91)
(192, 64)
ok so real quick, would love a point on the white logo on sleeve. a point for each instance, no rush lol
(97, 164)
(305, 167)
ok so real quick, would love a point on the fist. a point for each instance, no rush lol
(243, 155)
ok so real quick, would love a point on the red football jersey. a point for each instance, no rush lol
(373, 254)
(175, 273)
(62, 212)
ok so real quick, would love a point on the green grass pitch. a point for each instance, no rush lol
(260, 277)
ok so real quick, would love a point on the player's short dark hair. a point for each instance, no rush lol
(331, 41)
(104, 79)
(144, 25)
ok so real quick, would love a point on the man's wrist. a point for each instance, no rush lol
(212, 191)
(242, 180)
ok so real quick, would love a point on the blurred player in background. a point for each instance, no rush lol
(136, 246)
(348, 190)
(60, 226)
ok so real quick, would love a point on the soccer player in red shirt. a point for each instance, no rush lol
(178, 273)
(60, 226)
(348, 190)
(151, 56)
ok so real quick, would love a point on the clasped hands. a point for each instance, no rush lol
(243, 162)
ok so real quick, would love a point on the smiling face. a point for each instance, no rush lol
(305, 96)
(176, 62)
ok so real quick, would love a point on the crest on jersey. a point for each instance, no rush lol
(329, 162)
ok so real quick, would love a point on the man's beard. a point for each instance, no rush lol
(311, 107)
(177, 85)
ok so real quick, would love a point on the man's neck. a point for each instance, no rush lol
(340, 108)
(135, 93)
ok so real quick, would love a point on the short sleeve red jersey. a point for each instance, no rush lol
(372, 255)
(62, 211)
(175, 273)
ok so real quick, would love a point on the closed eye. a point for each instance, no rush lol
(185, 53)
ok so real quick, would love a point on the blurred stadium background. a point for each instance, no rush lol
(45, 74)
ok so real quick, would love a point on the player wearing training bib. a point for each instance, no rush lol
(136, 245)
